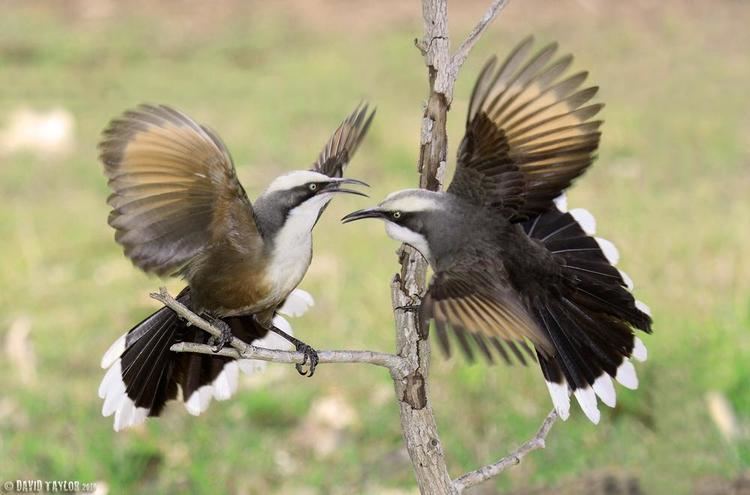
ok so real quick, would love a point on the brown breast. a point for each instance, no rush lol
(227, 282)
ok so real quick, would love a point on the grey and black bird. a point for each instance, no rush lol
(517, 276)
(178, 209)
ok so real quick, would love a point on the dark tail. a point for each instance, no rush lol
(590, 322)
(144, 374)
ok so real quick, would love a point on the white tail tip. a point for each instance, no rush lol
(628, 281)
(561, 202)
(114, 352)
(626, 375)
(640, 353)
(297, 303)
(585, 220)
(605, 389)
(609, 250)
(587, 400)
(642, 306)
(199, 400)
(560, 398)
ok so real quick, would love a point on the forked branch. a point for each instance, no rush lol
(463, 51)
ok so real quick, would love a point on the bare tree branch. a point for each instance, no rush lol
(397, 365)
(463, 51)
(435, 44)
(514, 458)
(417, 420)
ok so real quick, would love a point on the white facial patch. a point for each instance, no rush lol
(409, 237)
(293, 179)
(293, 245)
(302, 217)
(409, 201)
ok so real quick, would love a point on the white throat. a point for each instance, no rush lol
(415, 240)
(292, 250)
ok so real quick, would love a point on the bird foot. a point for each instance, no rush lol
(311, 359)
(225, 338)
(310, 355)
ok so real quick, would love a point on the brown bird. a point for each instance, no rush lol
(178, 209)
(517, 276)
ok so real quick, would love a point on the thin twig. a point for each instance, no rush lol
(390, 361)
(491, 470)
(463, 51)
(397, 365)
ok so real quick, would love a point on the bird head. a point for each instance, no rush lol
(302, 195)
(409, 215)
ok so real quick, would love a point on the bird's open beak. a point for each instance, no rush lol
(361, 214)
(336, 183)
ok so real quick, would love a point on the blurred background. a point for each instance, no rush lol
(670, 187)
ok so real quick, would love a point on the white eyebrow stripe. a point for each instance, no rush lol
(294, 179)
(411, 203)
(401, 192)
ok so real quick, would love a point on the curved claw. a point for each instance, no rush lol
(225, 337)
(310, 358)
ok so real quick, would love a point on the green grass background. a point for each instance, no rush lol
(670, 187)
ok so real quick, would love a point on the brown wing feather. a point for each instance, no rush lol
(174, 189)
(344, 142)
(528, 133)
(468, 300)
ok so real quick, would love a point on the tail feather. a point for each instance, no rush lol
(147, 357)
(143, 374)
(128, 388)
(591, 323)
(557, 385)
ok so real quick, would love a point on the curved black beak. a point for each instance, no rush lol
(362, 214)
(336, 183)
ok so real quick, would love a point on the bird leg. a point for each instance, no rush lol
(310, 354)
(225, 338)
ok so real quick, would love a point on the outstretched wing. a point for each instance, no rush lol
(174, 189)
(344, 142)
(482, 312)
(528, 133)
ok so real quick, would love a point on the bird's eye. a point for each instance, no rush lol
(313, 187)
(396, 215)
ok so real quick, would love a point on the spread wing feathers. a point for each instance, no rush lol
(481, 313)
(592, 324)
(528, 133)
(174, 188)
(344, 142)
